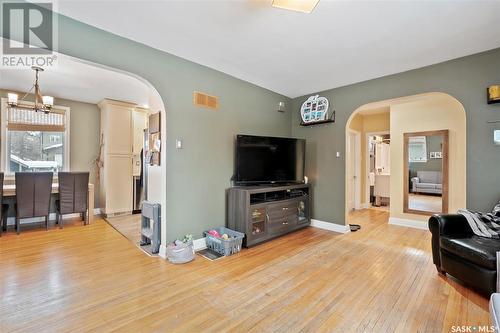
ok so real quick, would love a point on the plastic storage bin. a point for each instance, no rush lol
(180, 254)
(222, 246)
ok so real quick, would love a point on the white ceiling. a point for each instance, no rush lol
(340, 43)
(78, 81)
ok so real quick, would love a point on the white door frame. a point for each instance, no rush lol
(357, 166)
(367, 165)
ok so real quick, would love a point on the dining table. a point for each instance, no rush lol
(9, 190)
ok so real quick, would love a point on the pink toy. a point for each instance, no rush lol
(214, 233)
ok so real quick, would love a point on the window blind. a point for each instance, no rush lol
(23, 119)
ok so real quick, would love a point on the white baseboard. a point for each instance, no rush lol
(343, 229)
(163, 251)
(52, 217)
(365, 205)
(417, 224)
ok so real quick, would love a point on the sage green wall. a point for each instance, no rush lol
(465, 79)
(198, 174)
(84, 136)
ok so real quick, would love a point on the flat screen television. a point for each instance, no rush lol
(269, 160)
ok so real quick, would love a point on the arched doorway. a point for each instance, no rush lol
(156, 174)
(77, 83)
(389, 120)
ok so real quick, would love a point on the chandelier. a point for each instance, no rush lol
(42, 103)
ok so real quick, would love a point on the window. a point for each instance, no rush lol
(417, 149)
(35, 141)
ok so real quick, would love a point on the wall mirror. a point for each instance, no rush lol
(426, 172)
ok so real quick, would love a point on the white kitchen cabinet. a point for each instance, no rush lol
(122, 126)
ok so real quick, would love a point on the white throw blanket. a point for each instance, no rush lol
(485, 225)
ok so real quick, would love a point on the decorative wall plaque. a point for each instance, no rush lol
(315, 111)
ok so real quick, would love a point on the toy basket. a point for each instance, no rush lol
(223, 246)
(180, 254)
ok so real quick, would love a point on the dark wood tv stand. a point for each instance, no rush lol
(266, 212)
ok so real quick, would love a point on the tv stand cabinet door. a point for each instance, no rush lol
(303, 211)
(257, 225)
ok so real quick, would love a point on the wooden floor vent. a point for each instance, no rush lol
(205, 100)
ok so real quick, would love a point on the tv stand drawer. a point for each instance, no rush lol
(280, 225)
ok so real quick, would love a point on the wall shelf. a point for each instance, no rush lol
(327, 121)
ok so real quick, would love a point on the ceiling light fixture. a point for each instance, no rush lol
(304, 6)
(42, 103)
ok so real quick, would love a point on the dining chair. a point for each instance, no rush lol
(4, 207)
(73, 195)
(33, 190)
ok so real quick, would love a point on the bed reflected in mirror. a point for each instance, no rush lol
(426, 172)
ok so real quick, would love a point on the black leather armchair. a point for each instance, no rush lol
(456, 250)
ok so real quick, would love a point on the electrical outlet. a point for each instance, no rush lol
(178, 144)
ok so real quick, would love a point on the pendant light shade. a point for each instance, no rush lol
(12, 99)
(48, 101)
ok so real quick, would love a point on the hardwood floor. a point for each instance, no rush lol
(378, 279)
(129, 226)
(427, 203)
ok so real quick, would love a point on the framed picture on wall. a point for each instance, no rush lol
(435, 154)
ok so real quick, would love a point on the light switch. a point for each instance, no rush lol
(178, 144)
(338, 154)
(496, 137)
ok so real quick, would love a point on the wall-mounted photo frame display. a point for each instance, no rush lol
(435, 155)
(315, 111)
